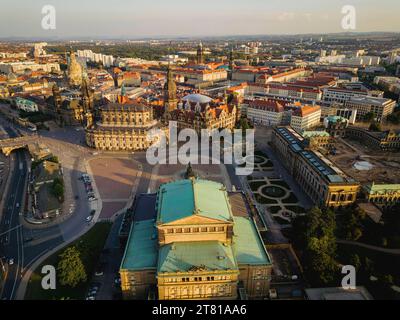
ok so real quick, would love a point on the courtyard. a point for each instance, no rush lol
(278, 198)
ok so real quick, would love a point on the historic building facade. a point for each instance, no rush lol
(385, 141)
(318, 177)
(383, 195)
(121, 127)
(199, 246)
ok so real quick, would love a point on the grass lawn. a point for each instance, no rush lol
(280, 183)
(296, 209)
(281, 220)
(256, 184)
(273, 191)
(262, 154)
(274, 209)
(263, 200)
(90, 246)
(291, 199)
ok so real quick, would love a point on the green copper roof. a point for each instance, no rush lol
(382, 188)
(25, 101)
(183, 198)
(248, 246)
(310, 134)
(142, 247)
(336, 119)
(182, 256)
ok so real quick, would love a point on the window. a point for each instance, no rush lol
(203, 229)
(220, 229)
(187, 230)
(170, 230)
(212, 229)
(195, 229)
(178, 230)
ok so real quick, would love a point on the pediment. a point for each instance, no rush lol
(195, 219)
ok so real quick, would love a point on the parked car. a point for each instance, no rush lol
(89, 218)
(99, 273)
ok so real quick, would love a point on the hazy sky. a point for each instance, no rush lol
(138, 18)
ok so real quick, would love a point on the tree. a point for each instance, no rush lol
(320, 246)
(71, 270)
(374, 126)
(369, 116)
(57, 188)
(355, 261)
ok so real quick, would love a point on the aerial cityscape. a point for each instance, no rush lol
(222, 151)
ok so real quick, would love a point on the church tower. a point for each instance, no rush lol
(170, 100)
(56, 97)
(200, 54)
(231, 64)
(86, 96)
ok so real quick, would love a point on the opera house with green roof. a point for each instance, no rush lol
(201, 243)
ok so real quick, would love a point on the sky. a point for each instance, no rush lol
(153, 18)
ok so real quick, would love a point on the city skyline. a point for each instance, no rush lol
(176, 18)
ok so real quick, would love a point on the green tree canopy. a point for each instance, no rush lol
(70, 269)
(319, 243)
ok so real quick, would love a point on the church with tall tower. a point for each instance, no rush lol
(75, 71)
(170, 100)
(200, 54)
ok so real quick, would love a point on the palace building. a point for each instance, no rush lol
(201, 243)
(385, 141)
(320, 179)
(382, 195)
(197, 111)
(121, 127)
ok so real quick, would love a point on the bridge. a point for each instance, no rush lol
(8, 145)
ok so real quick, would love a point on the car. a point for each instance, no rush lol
(90, 298)
(11, 261)
(99, 273)
(89, 218)
(92, 292)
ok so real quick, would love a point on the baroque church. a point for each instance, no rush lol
(70, 105)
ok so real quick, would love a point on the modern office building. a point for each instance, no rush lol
(341, 95)
(380, 107)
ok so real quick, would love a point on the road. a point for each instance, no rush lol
(12, 242)
(24, 243)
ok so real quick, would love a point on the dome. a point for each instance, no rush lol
(74, 71)
(197, 98)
